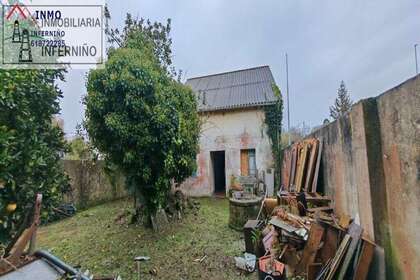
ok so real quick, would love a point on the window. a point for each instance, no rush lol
(248, 163)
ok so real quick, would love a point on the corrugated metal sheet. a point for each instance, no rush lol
(237, 89)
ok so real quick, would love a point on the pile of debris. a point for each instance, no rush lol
(300, 234)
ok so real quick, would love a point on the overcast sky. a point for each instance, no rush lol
(368, 44)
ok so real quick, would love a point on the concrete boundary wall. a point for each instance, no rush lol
(371, 169)
(90, 185)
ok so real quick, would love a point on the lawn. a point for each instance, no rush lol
(93, 240)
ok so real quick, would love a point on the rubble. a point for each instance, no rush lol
(301, 234)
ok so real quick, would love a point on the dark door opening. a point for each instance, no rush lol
(219, 174)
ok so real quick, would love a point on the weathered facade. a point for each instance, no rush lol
(233, 138)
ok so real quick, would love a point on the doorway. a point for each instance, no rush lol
(219, 172)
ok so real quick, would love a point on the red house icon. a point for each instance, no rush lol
(16, 8)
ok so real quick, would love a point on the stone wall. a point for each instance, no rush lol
(371, 169)
(90, 184)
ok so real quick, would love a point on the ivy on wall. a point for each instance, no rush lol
(273, 120)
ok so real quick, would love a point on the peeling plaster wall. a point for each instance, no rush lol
(229, 131)
(371, 169)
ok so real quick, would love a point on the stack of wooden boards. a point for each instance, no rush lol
(301, 163)
(316, 243)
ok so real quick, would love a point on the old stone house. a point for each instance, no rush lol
(233, 138)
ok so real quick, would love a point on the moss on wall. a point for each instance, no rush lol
(91, 185)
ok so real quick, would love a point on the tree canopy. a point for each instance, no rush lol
(342, 103)
(30, 145)
(143, 120)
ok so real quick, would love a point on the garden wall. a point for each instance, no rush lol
(90, 185)
(371, 169)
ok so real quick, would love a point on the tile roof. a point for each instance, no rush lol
(237, 89)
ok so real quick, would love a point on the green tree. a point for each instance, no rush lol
(30, 145)
(143, 120)
(156, 34)
(342, 103)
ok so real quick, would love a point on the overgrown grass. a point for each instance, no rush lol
(95, 241)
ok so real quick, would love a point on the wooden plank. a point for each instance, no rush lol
(311, 164)
(301, 166)
(313, 270)
(378, 266)
(283, 168)
(287, 163)
(355, 231)
(331, 243)
(311, 248)
(293, 167)
(322, 208)
(355, 259)
(316, 200)
(317, 166)
(338, 256)
(324, 270)
(365, 259)
(298, 164)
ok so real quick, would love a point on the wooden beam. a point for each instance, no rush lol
(322, 208)
(302, 166)
(317, 166)
(313, 270)
(338, 256)
(355, 231)
(311, 164)
(311, 248)
(287, 164)
(293, 167)
(365, 259)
